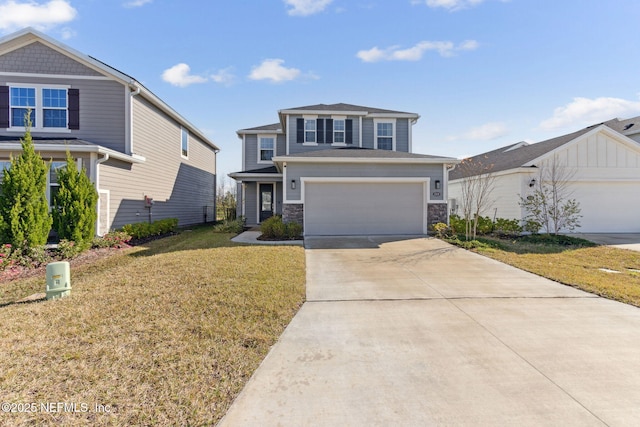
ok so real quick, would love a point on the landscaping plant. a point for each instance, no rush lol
(25, 220)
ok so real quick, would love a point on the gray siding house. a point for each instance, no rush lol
(147, 161)
(341, 169)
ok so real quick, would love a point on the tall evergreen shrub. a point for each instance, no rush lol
(25, 220)
(74, 215)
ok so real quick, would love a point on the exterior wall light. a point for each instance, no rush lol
(532, 182)
(293, 184)
(437, 184)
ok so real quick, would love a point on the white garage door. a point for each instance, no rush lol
(608, 207)
(364, 208)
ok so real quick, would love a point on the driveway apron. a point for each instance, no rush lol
(414, 332)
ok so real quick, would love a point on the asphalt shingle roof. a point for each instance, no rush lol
(345, 107)
(46, 141)
(363, 153)
(273, 127)
(269, 169)
(508, 157)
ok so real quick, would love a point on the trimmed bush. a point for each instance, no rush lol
(294, 230)
(74, 215)
(25, 220)
(274, 228)
(141, 230)
(113, 239)
(230, 226)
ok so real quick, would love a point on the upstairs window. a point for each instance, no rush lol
(266, 149)
(384, 135)
(310, 130)
(184, 142)
(52, 108)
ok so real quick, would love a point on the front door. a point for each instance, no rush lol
(266, 201)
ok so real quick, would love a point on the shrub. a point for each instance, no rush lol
(32, 256)
(69, 249)
(507, 227)
(442, 230)
(6, 258)
(113, 239)
(235, 226)
(294, 230)
(74, 215)
(140, 230)
(25, 220)
(273, 228)
(457, 224)
(485, 225)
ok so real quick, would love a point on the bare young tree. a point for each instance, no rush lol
(476, 188)
(550, 206)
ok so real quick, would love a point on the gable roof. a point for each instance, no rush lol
(272, 128)
(29, 35)
(362, 153)
(521, 154)
(344, 108)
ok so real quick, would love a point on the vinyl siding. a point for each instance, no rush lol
(180, 187)
(251, 151)
(251, 201)
(102, 110)
(299, 170)
(294, 147)
(402, 135)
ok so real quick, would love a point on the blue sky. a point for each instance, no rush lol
(481, 73)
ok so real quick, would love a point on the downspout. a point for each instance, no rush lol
(98, 162)
(131, 95)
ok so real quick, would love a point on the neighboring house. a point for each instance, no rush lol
(134, 146)
(341, 169)
(603, 159)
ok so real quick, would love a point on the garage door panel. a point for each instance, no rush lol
(608, 207)
(364, 208)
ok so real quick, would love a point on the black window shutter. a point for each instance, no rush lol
(74, 108)
(348, 131)
(320, 130)
(299, 131)
(329, 135)
(4, 106)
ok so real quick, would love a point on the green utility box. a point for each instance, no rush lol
(58, 280)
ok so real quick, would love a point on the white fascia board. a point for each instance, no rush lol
(249, 176)
(259, 132)
(62, 148)
(364, 160)
(394, 116)
(519, 170)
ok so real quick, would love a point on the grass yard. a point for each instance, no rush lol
(575, 263)
(164, 334)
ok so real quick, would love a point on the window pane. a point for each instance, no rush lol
(266, 143)
(23, 97)
(54, 98)
(266, 200)
(55, 118)
(53, 171)
(338, 137)
(338, 125)
(266, 154)
(385, 143)
(185, 142)
(18, 115)
(310, 137)
(310, 125)
(385, 129)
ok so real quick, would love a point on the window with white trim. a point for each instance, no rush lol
(184, 142)
(48, 106)
(384, 135)
(338, 131)
(4, 166)
(310, 130)
(54, 185)
(266, 150)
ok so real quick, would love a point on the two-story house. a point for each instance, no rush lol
(146, 160)
(341, 169)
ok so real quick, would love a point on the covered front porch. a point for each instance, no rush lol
(259, 194)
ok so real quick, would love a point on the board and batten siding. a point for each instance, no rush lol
(102, 112)
(180, 187)
(295, 171)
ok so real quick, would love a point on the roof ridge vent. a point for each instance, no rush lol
(516, 146)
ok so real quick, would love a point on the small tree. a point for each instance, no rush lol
(74, 215)
(25, 220)
(550, 206)
(476, 188)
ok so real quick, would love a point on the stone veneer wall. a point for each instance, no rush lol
(293, 212)
(437, 212)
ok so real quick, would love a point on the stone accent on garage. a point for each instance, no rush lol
(293, 212)
(436, 212)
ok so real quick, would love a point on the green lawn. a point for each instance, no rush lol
(575, 263)
(164, 334)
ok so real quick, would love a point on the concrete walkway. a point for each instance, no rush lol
(251, 237)
(414, 332)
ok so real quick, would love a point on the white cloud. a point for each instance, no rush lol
(486, 132)
(272, 69)
(136, 3)
(224, 76)
(451, 5)
(585, 111)
(306, 7)
(66, 33)
(415, 53)
(15, 15)
(179, 75)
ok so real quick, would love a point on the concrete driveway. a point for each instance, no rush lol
(629, 241)
(415, 332)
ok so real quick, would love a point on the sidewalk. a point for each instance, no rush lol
(251, 237)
